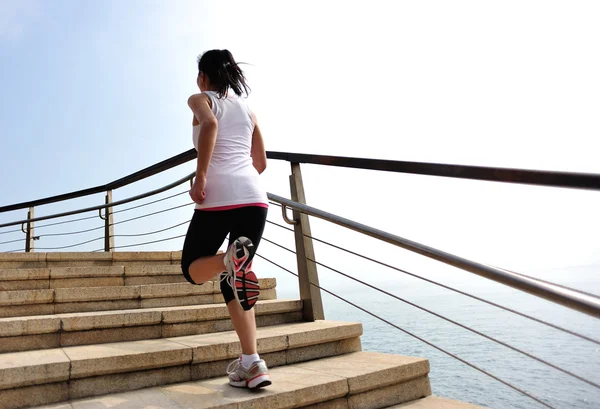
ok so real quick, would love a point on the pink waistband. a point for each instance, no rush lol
(213, 209)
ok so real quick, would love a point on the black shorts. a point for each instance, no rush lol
(208, 229)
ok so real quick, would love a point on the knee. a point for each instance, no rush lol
(185, 269)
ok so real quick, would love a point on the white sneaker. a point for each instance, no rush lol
(254, 377)
(237, 259)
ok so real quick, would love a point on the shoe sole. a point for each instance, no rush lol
(240, 250)
(247, 289)
(258, 383)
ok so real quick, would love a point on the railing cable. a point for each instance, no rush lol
(70, 233)
(149, 242)
(10, 231)
(70, 246)
(151, 214)
(516, 388)
(442, 317)
(152, 232)
(11, 241)
(149, 203)
(65, 222)
(502, 307)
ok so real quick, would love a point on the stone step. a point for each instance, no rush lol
(85, 259)
(90, 276)
(435, 402)
(21, 303)
(54, 331)
(54, 375)
(360, 380)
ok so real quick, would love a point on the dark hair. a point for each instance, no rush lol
(223, 72)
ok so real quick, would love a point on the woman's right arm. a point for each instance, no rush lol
(258, 153)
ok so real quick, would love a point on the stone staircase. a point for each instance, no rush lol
(124, 330)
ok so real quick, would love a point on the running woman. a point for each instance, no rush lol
(229, 200)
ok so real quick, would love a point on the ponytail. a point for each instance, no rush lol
(223, 72)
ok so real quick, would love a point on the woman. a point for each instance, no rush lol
(229, 201)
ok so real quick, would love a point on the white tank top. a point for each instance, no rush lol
(231, 180)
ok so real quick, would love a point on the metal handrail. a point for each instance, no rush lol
(556, 294)
(571, 299)
(106, 205)
(492, 174)
(124, 181)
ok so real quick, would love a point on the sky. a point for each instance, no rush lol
(92, 91)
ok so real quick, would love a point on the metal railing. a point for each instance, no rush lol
(308, 278)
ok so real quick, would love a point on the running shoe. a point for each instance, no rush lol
(254, 377)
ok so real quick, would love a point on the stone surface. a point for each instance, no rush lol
(15, 326)
(22, 260)
(75, 256)
(225, 345)
(176, 256)
(194, 313)
(87, 282)
(93, 360)
(328, 349)
(103, 336)
(18, 369)
(34, 396)
(277, 306)
(23, 264)
(86, 272)
(24, 285)
(212, 312)
(434, 402)
(60, 405)
(26, 297)
(192, 328)
(264, 295)
(176, 301)
(24, 274)
(205, 327)
(78, 259)
(277, 319)
(99, 385)
(341, 403)
(153, 270)
(292, 387)
(142, 256)
(139, 399)
(109, 319)
(23, 310)
(308, 333)
(391, 395)
(154, 280)
(70, 307)
(175, 290)
(369, 370)
(122, 257)
(86, 294)
(267, 283)
(207, 370)
(29, 342)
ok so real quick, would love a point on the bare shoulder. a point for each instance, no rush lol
(196, 99)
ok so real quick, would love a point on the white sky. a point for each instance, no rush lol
(512, 84)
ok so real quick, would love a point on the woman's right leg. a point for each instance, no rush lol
(249, 371)
(244, 323)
